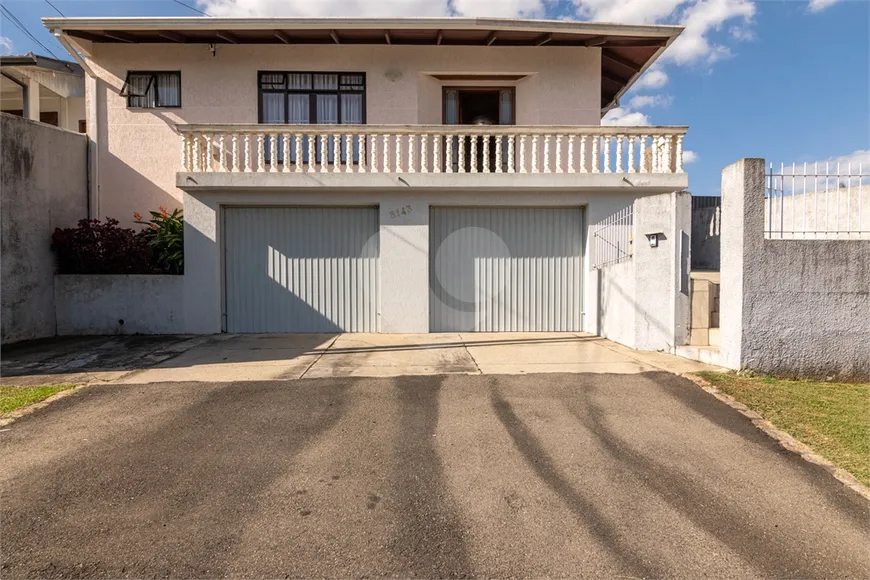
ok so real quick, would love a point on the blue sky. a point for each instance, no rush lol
(785, 80)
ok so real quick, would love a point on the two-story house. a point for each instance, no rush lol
(374, 175)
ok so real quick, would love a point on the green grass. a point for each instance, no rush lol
(832, 418)
(12, 398)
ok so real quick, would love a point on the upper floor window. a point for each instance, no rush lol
(149, 90)
(312, 98)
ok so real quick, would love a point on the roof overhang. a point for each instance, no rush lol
(627, 50)
(41, 62)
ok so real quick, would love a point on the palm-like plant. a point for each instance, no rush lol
(165, 235)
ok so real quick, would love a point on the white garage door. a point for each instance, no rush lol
(506, 269)
(301, 269)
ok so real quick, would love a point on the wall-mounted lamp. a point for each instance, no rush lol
(213, 49)
(653, 239)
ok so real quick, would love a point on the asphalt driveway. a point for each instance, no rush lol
(556, 475)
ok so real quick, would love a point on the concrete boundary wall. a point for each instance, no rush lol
(44, 186)
(119, 304)
(643, 303)
(791, 307)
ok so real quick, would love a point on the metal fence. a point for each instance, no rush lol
(613, 239)
(818, 201)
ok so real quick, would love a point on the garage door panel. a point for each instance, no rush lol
(506, 269)
(294, 269)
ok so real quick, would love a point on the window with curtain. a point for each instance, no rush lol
(150, 90)
(302, 98)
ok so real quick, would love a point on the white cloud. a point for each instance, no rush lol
(653, 78)
(741, 33)
(689, 156)
(624, 117)
(320, 8)
(700, 19)
(6, 46)
(819, 5)
(833, 172)
(643, 101)
(628, 11)
(499, 8)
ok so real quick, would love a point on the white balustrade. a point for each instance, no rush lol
(299, 158)
(430, 149)
(261, 153)
(511, 165)
(534, 153)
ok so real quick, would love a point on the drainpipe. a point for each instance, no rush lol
(92, 125)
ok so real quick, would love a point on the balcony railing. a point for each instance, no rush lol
(400, 149)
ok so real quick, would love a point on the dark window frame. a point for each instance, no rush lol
(125, 91)
(476, 88)
(311, 92)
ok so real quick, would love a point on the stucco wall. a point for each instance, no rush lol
(644, 302)
(140, 151)
(88, 304)
(616, 308)
(44, 186)
(793, 307)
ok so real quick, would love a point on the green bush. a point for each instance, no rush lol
(165, 236)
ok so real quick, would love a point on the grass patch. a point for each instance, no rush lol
(12, 398)
(832, 418)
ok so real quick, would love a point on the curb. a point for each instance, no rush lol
(784, 439)
(10, 417)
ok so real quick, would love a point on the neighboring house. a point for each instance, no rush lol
(375, 175)
(43, 89)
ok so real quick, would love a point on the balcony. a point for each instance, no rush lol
(431, 156)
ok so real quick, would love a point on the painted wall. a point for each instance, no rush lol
(87, 304)
(404, 244)
(644, 302)
(616, 306)
(140, 150)
(43, 187)
(793, 307)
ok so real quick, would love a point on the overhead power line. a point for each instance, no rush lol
(191, 7)
(56, 9)
(20, 26)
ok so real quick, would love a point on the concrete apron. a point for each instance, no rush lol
(281, 357)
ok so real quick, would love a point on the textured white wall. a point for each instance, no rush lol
(98, 304)
(140, 150)
(644, 302)
(44, 186)
(794, 307)
(616, 309)
(404, 264)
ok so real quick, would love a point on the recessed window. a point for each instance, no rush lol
(150, 90)
(313, 98)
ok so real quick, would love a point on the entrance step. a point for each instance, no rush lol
(704, 354)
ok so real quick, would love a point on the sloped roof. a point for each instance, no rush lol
(627, 50)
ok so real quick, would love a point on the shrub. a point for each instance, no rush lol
(165, 235)
(101, 248)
